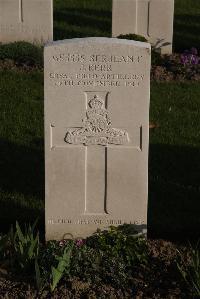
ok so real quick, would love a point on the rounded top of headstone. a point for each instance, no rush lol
(100, 40)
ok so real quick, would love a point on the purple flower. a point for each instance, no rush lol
(190, 57)
(79, 242)
(184, 59)
(194, 59)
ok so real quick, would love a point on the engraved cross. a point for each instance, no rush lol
(96, 137)
(96, 134)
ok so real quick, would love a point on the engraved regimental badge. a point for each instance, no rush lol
(97, 127)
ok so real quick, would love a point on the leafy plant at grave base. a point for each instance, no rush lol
(54, 262)
(47, 258)
(85, 264)
(132, 36)
(19, 251)
(109, 256)
(26, 247)
(96, 266)
(22, 53)
(81, 257)
(63, 266)
(191, 272)
(122, 240)
(105, 257)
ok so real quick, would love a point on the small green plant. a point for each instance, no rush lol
(21, 249)
(63, 266)
(132, 36)
(26, 246)
(191, 271)
(38, 277)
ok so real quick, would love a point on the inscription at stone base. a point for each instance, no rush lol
(91, 221)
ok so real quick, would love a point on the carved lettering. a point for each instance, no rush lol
(75, 57)
(86, 221)
(102, 79)
(99, 67)
(97, 58)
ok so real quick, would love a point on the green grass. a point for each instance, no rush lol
(174, 165)
(21, 150)
(82, 18)
(186, 24)
(174, 160)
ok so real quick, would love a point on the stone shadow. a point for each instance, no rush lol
(174, 192)
(174, 189)
(186, 32)
(22, 168)
(99, 20)
(22, 172)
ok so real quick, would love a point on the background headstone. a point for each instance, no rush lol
(152, 19)
(96, 135)
(26, 20)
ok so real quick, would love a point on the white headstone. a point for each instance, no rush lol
(26, 20)
(152, 19)
(96, 135)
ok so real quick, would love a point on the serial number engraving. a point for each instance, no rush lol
(76, 57)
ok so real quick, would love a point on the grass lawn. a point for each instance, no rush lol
(174, 166)
(21, 150)
(82, 18)
(186, 24)
(174, 160)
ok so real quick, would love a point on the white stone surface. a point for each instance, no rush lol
(152, 19)
(26, 20)
(97, 94)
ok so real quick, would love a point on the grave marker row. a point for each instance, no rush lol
(26, 20)
(32, 21)
(97, 94)
(152, 19)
